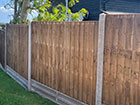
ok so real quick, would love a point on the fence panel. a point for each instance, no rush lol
(64, 57)
(2, 47)
(121, 84)
(17, 48)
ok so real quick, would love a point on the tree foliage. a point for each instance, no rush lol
(45, 9)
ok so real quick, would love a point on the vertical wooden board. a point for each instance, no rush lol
(95, 40)
(64, 57)
(49, 52)
(127, 74)
(7, 44)
(53, 55)
(85, 76)
(12, 48)
(121, 61)
(22, 32)
(108, 37)
(26, 52)
(25, 41)
(41, 65)
(37, 52)
(43, 53)
(90, 57)
(15, 48)
(87, 62)
(46, 47)
(110, 89)
(67, 56)
(18, 47)
(136, 43)
(134, 79)
(113, 64)
(76, 63)
(81, 61)
(39, 62)
(72, 60)
(61, 44)
(128, 59)
(2, 47)
(33, 61)
(58, 58)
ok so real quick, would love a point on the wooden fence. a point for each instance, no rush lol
(17, 48)
(121, 82)
(64, 57)
(2, 47)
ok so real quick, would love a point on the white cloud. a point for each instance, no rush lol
(2, 9)
(33, 14)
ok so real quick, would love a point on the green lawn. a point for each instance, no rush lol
(11, 93)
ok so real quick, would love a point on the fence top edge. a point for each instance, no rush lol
(18, 24)
(123, 14)
(44, 22)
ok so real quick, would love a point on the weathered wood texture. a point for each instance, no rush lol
(17, 48)
(64, 57)
(2, 47)
(121, 83)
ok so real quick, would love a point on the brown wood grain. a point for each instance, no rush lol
(2, 47)
(68, 57)
(17, 48)
(121, 60)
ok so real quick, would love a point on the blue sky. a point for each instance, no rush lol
(5, 13)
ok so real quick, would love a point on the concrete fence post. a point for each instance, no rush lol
(5, 51)
(100, 58)
(29, 55)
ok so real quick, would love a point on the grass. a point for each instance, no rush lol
(11, 93)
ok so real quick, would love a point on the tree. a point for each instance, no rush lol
(24, 10)
(23, 7)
